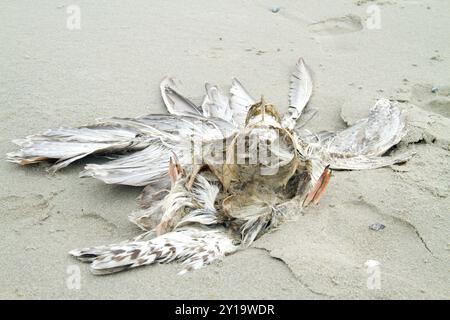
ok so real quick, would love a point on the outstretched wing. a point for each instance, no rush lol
(372, 136)
(178, 128)
(171, 134)
(66, 145)
(363, 145)
(160, 133)
(300, 92)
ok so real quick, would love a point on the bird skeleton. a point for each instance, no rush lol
(216, 176)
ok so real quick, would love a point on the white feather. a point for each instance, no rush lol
(193, 247)
(300, 92)
(137, 169)
(240, 102)
(372, 136)
(174, 101)
(205, 192)
(215, 104)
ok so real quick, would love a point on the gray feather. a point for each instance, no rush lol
(148, 166)
(67, 145)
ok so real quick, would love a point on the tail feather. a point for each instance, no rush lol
(194, 247)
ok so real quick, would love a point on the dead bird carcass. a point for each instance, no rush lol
(216, 176)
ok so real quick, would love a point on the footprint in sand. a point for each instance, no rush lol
(432, 99)
(335, 26)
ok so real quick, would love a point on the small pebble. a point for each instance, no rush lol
(434, 89)
(377, 226)
(275, 9)
(436, 58)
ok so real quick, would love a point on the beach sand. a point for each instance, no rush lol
(52, 76)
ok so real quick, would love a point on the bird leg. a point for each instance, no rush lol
(319, 189)
(176, 172)
(175, 169)
(195, 171)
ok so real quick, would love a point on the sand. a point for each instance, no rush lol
(52, 76)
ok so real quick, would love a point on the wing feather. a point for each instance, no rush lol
(240, 102)
(216, 104)
(300, 92)
(141, 168)
(67, 145)
(372, 136)
(362, 145)
(175, 102)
